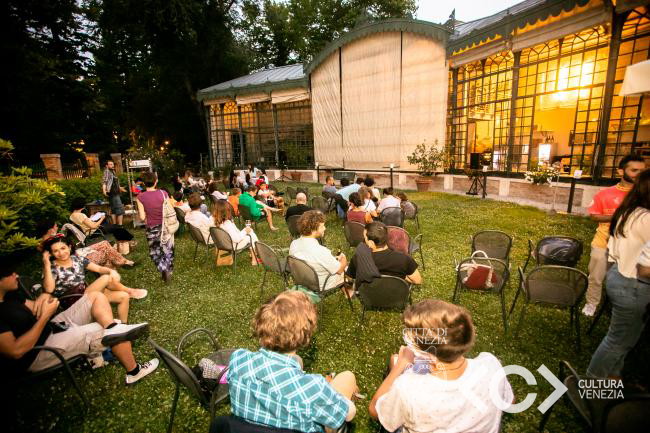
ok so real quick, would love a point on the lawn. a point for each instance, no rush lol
(223, 301)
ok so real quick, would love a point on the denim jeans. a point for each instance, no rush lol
(629, 298)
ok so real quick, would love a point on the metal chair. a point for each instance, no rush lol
(496, 244)
(319, 203)
(555, 250)
(223, 242)
(83, 240)
(292, 225)
(180, 215)
(384, 292)
(182, 375)
(501, 273)
(272, 262)
(198, 238)
(245, 213)
(305, 275)
(400, 240)
(552, 285)
(392, 216)
(415, 216)
(235, 424)
(331, 200)
(354, 233)
(627, 415)
(232, 213)
(291, 194)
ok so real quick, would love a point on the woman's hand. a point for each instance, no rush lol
(46, 258)
(405, 358)
(248, 230)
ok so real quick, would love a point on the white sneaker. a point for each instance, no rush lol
(589, 310)
(145, 368)
(121, 332)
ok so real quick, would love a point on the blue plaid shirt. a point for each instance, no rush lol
(269, 388)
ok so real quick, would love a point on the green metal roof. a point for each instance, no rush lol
(505, 22)
(266, 80)
(435, 31)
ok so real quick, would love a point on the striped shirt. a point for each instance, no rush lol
(269, 388)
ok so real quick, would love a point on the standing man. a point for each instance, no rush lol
(112, 189)
(601, 209)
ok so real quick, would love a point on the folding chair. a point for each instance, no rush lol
(198, 238)
(496, 244)
(400, 240)
(501, 276)
(353, 232)
(223, 242)
(273, 262)
(384, 292)
(392, 216)
(414, 216)
(319, 203)
(331, 200)
(292, 225)
(552, 285)
(555, 250)
(180, 215)
(291, 194)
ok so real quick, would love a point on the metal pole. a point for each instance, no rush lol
(571, 192)
(241, 138)
(275, 135)
(317, 173)
(484, 183)
(513, 113)
(391, 177)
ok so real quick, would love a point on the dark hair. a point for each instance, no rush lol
(47, 244)
(629, 158)
(43, 226)
(359, 180)
(309, 221)
(345, 181)
(235, 191)
(138, 179)
(178, 196)
(221, 212)
(355, 199)
(388, 191)
(251, 188)
(402, 196)
(368, 181)
(77, 203)
(377, 232)
(194, 201)
(639, 196)
(149, 178)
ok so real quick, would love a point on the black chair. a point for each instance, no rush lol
(319, 203)
(415, 216)
(180, 216)
(331, 199)
(292, 225)
(245, 214)
(235, 424)
(354, 233)
(384, 292)
(392, 216)
(501, 273)
(398, 238)
(305, 275)
(273, 262)
(198, 238)
(291, 194)
(496, 244)
(183, 375)
(626, 415)
(223, 242)
(552, 285)
(555, 250)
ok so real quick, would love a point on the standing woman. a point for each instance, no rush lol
(629, 232)
(150, 210)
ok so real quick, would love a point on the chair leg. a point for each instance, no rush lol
(598, 314)
(521, 319)
(234, 260)
(503, 312)
(545, 418)
(514, 302)
(263, 281)
(577, 323)
(349, 302)
(454, 299)
(207, 252)
(76, 384)
(171, 418)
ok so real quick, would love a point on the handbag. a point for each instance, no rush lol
(170, 221)
(479, 276)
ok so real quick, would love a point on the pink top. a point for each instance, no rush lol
(153, 202)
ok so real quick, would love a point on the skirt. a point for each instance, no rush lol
(162, 254)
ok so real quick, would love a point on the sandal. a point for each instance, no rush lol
(139, 293)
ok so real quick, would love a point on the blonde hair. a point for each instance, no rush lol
(447, 329)
(285, 322)
(364, 192)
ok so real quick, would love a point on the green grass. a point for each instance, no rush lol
(224, 302)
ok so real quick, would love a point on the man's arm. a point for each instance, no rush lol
(16, 348)
(415, 277)
(601, 218)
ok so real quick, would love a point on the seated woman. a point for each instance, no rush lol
(312, 227)
(369, 183)
(213, 189)
(66, 275)
(89, 226)
(368, 204)
(423, 392)
(245, 238)
(100, 253)
(406, 205)
(178, 200)
(357, 213)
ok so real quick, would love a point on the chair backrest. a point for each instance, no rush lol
(495, 243)
(385, 292)
(558, 250)
(556, 285)
(320, 204)
(398, 239)
(221, 239)
(180, 214)
(354, 233)
(197, 235)
(245, 212)
(500, 272)
(410, 212)
(269, 257)
(328, 194)
(235, 424)
(303, 274)
(392, 216)
(292, 225)
(626, 416)
(71, 230)
(180, 372)
(291, 192)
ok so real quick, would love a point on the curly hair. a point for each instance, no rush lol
(285, 322)
(309, 221)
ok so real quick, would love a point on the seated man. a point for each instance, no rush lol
(197, 218)
(257, 209)
(344, 192)
(388, 262)
(86, 327)
(389, 200)
(269, 387)
(300, 207)
(329, 187)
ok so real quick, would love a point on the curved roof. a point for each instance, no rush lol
(505, 22)
(261, 81)
(435, 31)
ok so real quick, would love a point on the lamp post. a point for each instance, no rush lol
(317, 173)
(391, 174)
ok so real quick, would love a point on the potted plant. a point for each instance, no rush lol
(428, 159)
(542, 175)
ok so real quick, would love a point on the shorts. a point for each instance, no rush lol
(117, 208)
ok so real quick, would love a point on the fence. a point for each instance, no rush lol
(76, 170)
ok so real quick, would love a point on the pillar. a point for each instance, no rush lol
(52, 162)
(92, 159)
(117, 160)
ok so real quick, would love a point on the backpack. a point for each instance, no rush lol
(479, 276)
